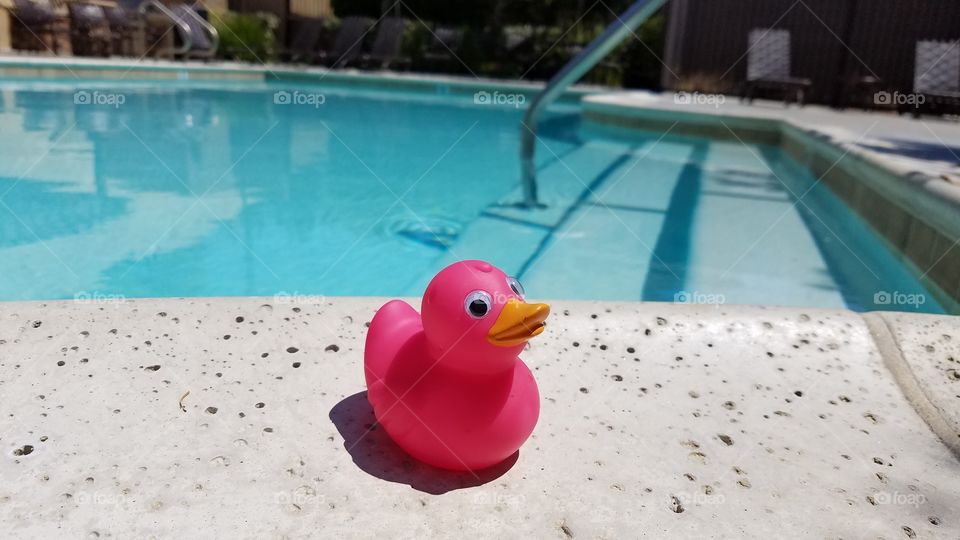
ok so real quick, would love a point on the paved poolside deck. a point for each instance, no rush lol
(927, 144)
(246, 417)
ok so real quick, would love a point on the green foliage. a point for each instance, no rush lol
(249, 37)
(529, 38)
(641, 58)
(415, 42)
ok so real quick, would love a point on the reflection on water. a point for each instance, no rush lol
(206, 192)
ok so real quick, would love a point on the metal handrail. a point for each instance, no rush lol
(187, 32)
(214, 35)
(624, 26)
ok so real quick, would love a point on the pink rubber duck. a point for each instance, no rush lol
(448, 386)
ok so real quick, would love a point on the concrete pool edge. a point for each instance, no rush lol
(934, 410)
(21, 67)
(622, 445)
(916, 212)
(886, 331)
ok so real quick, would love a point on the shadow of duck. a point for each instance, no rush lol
(377, 455)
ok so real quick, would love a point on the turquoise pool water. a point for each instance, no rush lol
(185, 189)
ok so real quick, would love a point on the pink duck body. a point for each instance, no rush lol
(448, 387)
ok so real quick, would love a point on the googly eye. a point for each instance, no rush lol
(477, 304)
(515, 286)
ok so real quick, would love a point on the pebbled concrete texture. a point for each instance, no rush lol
(244, 417)
(929, 356)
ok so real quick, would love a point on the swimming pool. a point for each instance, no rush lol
(112, 190)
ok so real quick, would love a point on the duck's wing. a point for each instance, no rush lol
(393, 326)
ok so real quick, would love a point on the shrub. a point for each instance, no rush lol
(249, 37)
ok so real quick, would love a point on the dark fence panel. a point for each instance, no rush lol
(887, 32)
(831, 40)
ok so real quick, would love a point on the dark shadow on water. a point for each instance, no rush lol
(377, 455)
(671, 254)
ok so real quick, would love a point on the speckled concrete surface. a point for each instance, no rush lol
(244, 417)
(929, 349)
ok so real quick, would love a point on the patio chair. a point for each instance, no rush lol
(348, 45)
(859, 91)
(441, 52)
(387, 45)
(123, 29)
(306, 36)
(768, 66)
(35, 23)
(89, 30)
(936, 77)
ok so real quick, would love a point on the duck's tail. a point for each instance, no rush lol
(391, 328)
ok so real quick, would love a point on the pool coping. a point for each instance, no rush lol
(49, 67)
(814, 416)
(889, 332)
(916, 212)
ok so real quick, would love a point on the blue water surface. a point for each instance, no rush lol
(193, 189)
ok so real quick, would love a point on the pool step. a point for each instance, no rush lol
(611, 231)
(750, 237)
(526, 229)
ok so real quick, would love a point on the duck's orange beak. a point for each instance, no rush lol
(517, 323)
